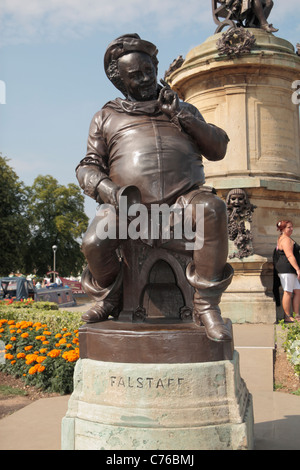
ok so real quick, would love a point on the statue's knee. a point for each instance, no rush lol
(89, 243)
(218, 206)
(213, 205)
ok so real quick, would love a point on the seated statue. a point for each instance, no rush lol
(153, 142)
(246, 13)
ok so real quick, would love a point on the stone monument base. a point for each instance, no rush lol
(135, 406)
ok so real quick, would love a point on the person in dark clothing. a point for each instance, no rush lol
(286, 263)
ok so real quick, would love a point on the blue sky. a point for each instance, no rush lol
(51, 61)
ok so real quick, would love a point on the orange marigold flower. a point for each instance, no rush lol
(40, 368)
(11, 322)
(67, 334)
(26, 324)
(24, 335)
(8, 346)
(1, 330)
(13, 338)
(30, 358)
(70, 356)
(40, 359)
(62, 341)
(75, 341)
(33, 370)
(21, 355)
(43, 350)
(47, 333)
(54, 353)
(45, 342)
(58, 335)
(27, 348)
(41, 338)
(13, 362)
(9, 356)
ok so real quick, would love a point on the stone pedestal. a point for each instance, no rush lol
(160, 385)
(124, 406)
(250, 97)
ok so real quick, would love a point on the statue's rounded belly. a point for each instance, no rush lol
(159, 174)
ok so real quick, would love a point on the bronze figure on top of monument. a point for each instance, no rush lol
(145, 151)
(243, 13)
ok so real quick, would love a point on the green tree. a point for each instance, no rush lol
(14, 230)
(56, 217)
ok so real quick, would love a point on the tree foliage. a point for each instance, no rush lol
(56, 217)
(14, 229)
(35, 218)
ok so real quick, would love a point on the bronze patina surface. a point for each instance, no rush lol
(149, 146)
(151, 343)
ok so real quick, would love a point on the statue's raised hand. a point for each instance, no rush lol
(168, 100)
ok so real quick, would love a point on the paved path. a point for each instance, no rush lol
(38, 425)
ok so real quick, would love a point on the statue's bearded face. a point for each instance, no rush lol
(138, 74)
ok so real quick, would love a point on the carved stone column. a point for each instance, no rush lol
(246, 88)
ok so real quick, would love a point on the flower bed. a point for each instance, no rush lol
(40, 346)
(292, 344)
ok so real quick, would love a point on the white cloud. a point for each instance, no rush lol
(24, 21)
(31, 20)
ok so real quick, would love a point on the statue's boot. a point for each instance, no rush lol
(206, 303)
(269, 28)
(108, 300)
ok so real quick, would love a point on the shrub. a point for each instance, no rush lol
(44, 312)
(28, 303)
(292, 344)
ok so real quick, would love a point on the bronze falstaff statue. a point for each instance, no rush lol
(152, 141)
